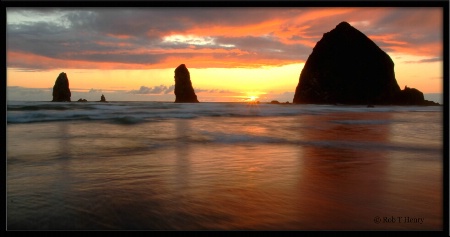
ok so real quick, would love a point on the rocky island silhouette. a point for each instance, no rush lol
(103, 99)
(184, 92)
(61, 90)
(346, 67)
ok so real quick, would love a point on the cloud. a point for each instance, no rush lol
(218, 91)
(17, 93)
(427, 60)
(140, 38)
(170, 89)
(92, 90)
(162, 89)
(154, 90)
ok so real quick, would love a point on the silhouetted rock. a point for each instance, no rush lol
(412, 96)
(61, 91)
(102, 98)
(346, 67)
(81, 100)
(274, 102)
(184, 92)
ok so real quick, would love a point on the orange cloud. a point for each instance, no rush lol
(120, 36)
(211, 62)
(203, 58)
(279, 26)
(387, 39)
(37, 62)
(419, 50)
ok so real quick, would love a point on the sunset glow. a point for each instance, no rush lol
(253, 98)
(232, 54)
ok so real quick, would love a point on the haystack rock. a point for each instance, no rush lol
(61, 91)
(102, 98)
(184, 92)
(346, 67)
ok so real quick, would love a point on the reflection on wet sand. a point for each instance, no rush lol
(339, 187)
(348, 187)
(307, 172)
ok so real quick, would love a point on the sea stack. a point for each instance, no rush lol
(61, 91)
(346, 67)
(102, 98)
(184, 92)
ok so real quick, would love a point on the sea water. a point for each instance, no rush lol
(223, 166)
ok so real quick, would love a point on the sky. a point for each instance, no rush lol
(232, 54)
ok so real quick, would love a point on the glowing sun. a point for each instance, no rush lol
(253, 98)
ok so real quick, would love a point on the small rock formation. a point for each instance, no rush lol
(184, 92)
(61, 91)
(276, 102)
(81, 100)
(412, 96)
(102, 98)
(346, 67)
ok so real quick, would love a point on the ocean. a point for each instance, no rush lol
(223, 166)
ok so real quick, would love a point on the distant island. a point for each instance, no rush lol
(346, 67)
